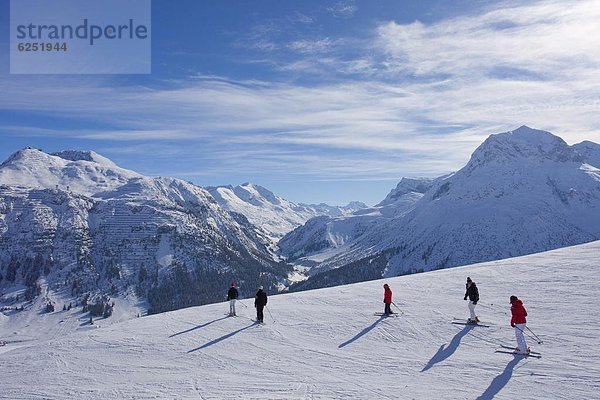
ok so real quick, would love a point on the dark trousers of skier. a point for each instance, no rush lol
(260, 301)
(388, 308)
(259, 313)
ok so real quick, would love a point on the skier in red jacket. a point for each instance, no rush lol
(518, 321)
(387, 299)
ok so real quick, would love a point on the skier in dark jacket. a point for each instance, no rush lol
(473, 295)
(232, 295)
(260, 301)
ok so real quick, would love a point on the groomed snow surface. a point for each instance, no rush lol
(327, 344)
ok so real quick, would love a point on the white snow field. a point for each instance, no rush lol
(328, 344)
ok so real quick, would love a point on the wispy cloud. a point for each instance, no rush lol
(421, 98)
(304, 18)
(101, 134)
(368, 117)
(547, 40)
(536, 64)
(306, 46)
(262, 36)
(343, 9)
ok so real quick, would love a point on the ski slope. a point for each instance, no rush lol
(327, 344)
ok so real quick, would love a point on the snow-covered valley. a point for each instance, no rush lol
(327, 344)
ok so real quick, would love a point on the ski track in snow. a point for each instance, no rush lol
(327, 344)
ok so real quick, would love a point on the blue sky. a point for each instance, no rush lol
(320, 100)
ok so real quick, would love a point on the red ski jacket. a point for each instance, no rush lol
(387, 296)
(518, 313)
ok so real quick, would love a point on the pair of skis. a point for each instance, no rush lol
(392, 315)
(253, 320)
(467, 323)
(514, 352)
(534, 354)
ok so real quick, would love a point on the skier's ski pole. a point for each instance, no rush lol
(243, 304)
(532, 337)
(540, 341)
(397, 307)
(528, 335)
(270, 313)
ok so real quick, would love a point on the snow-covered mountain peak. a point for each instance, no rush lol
(168, 191)
(274, 215)
(590, 152)
(84, 172)
(84, 155)
(523, 192)
(406, 186)
(355, 205)
(256, 194)
(23, 155)
(524, 143)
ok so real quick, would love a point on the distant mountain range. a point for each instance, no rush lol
(272, 214)
(322, 237)
(75, 223)
(522, 192)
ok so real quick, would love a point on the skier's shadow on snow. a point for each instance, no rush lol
(222, 338)
(198, 327)
(362, 333)
(501, 380)
(446, 351)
